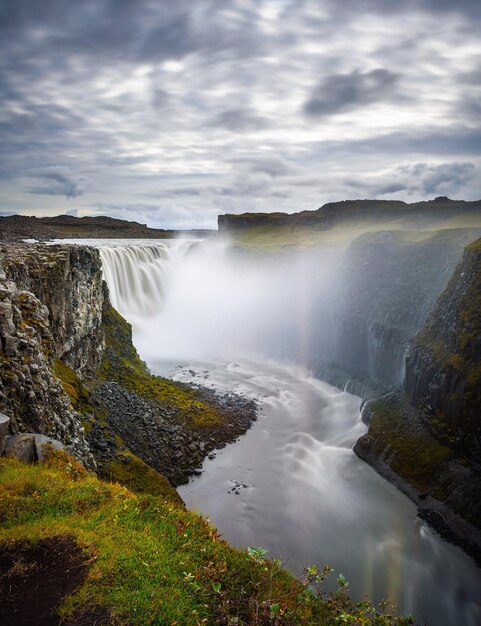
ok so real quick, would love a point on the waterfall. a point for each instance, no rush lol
(200, 299)
(137, 274)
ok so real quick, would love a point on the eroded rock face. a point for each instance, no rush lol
(443, 365)
(30, 395)
(67, 279)
(4, 426)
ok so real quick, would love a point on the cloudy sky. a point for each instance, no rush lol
(171, 112)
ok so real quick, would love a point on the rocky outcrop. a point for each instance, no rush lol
(443, 365)
(68, 281)
(30, 394)
(445, 487)
(30, 447)
(4, 426)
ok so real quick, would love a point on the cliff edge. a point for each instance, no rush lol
(427, 439)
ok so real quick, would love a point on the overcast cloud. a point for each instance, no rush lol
(172, 112)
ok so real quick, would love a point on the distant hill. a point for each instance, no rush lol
(333, 212)
(17, 227)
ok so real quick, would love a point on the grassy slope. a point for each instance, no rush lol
(152, 562)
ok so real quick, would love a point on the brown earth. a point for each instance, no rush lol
(35, 578)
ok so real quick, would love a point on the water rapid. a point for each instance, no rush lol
(292, 484)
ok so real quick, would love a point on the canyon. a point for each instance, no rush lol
(391, 316)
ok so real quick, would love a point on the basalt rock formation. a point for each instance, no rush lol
(68, 281)
(427, 437)
(30, 393)
(443, 365)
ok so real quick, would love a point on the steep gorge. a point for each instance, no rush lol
(426, 437)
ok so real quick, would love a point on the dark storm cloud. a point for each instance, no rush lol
(343, 92)
(239, 120)
(135, 31)
(57, 181)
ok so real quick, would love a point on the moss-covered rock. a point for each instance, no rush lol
(443, 365)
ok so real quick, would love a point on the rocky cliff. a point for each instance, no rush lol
(30, 393)
(441, 208)
(387, 283)
(68, 281)
(443, 365)
(69, 364)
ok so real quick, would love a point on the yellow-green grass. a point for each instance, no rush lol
(152, 562)
(129, 470)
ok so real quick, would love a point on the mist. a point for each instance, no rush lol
(198, 300)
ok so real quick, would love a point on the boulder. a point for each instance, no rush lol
(42, 443)
(4, 424)
(21, 447)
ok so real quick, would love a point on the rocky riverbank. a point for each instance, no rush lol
(152, 430)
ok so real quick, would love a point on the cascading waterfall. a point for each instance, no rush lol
(292, 484)
(137, 274)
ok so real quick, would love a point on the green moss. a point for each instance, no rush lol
(450, 340)
(413, 453)
(133, 473)
(122, 364)
(79, 395)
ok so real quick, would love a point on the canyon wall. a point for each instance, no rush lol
(426, 438)
(30, 393)
(67, 279)
(443, 365)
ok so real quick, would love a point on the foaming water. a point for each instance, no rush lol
(302, 493)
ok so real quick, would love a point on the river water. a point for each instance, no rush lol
(292, 483)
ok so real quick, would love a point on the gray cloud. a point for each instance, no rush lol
(427, 179)
(272, 166)
(209, 106)
(57, 181)
(434, 179)
(239, 120)
(344, 92)
(465, 7)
